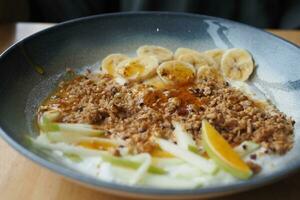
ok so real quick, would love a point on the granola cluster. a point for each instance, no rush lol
(138, 113)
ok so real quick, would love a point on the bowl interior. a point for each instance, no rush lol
(83, 43)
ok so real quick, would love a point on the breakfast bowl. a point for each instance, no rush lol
(32, 69)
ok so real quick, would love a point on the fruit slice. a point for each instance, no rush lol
(47, 123)
(58, 130)
(142, 170)
(42, 142)
(166, 162)
(197, 60)
(181, 51)
(207, 166)
(64, 132)
(46, 120)
(237, 64)
(222, 153)
(176, 72)
(184, 139)
(160, 53)
(123, 175)
(50, 116)
(155, 82)
(216, 55)
(209, 73)
(110, 63)
(72, 137)
(139, 68)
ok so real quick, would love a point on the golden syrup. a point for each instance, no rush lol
(96, 144)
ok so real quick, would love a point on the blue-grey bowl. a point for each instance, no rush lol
(84, 42)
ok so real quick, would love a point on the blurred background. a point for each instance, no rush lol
(260, 13)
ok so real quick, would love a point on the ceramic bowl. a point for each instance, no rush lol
(84, 42)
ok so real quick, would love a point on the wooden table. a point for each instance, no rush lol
(22, 179)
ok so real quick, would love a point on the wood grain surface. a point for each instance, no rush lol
(22, 179)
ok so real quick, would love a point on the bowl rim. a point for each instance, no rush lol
(136, 190)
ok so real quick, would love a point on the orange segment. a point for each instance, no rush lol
(222, 153)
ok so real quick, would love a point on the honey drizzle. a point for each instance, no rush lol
(157, 99)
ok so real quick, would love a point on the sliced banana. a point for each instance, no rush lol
(139, 68)
(209, 73)
(155, 82)
(110, 63)
(176, 72)
(237, 64)
(216, 55)
(181, 51)
(120, 80)
(197, 60)
(161, 53)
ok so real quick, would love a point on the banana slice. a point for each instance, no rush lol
(181, 51)
(161, 53)
(139, 68)
(110, 62)
(155, 82)
(237, 64)
(176, 72)
(209, 73)
(197, 60)
(216, 55)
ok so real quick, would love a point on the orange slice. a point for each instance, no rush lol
(222, 153)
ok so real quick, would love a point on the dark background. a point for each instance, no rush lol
(259, 13)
